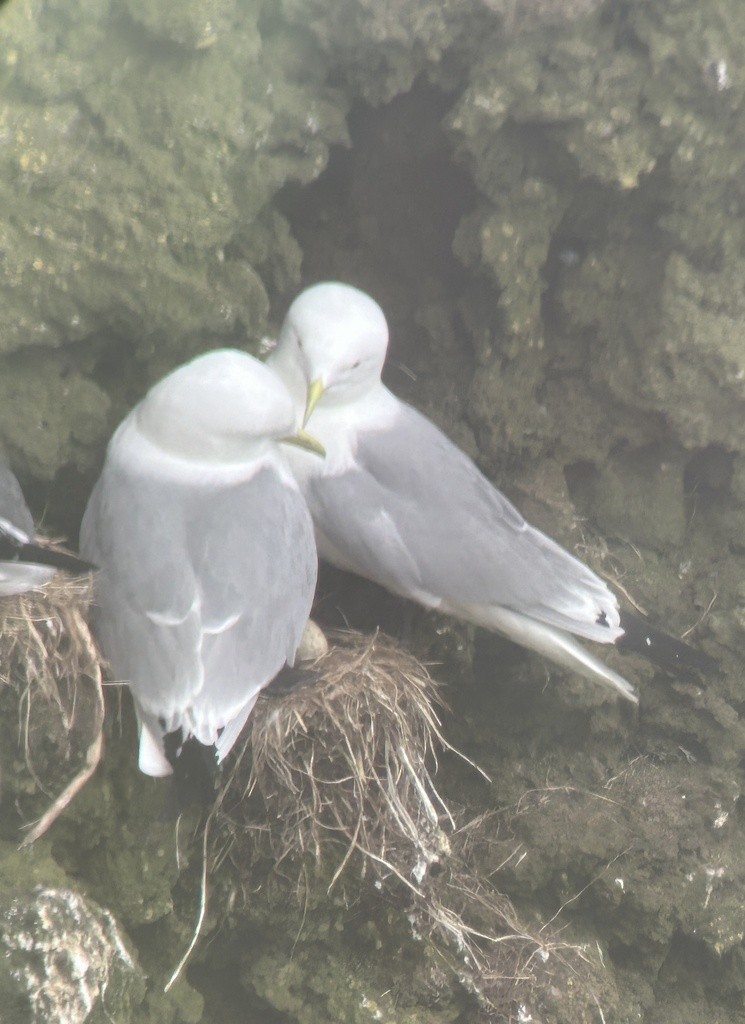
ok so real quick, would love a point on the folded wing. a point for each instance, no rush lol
(202, 596)
(418, 516)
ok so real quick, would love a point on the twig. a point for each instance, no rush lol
(701, 618)
(200, 917)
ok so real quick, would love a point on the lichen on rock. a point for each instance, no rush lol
(65, 961)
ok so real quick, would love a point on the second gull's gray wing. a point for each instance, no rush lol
(418, 516)
(13, 506)
(24, 564)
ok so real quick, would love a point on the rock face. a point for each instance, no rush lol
(65, 961)
(547, 197)
(139, 145)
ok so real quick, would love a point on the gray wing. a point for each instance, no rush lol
(13, 506)
(18, 571)
(203, 592)
(419, 517)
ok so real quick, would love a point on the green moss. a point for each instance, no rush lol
(379, 47)
(116, 838)
(137, 144)
(22, 870)
(182, 1004)
(313, 992)
(49, 414)
(644, 486)
(589, 338)
(194, 24)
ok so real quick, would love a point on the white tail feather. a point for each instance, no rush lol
(152, 760)
(552, 643)
(232, 730)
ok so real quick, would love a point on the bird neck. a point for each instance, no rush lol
(181, 459)
(292, 376)
(338, 425)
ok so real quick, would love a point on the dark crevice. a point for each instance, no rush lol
(383, 214)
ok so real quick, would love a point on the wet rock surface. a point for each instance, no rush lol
(547, 199)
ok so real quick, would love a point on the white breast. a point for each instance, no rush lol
(337, 427)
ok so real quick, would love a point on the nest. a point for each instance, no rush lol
(345, 762)
(340, 773)
(50, 673)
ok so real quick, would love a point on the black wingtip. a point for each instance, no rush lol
(16, 546)
(56, 559)
(666, 651)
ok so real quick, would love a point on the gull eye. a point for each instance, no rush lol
(355, 365)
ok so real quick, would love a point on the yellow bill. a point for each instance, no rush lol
(315, 390)
(302, 439)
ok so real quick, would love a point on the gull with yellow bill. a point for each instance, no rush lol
(206, 554)
(397, 502)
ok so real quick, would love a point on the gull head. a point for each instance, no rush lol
(223, 406)
(332, 345)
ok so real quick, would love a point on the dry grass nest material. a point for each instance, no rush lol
(50, 670)
(340, 774)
